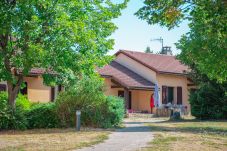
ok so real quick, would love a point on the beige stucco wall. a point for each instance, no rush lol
(140, 99)
(144, 100)
(109, 90)
(37, 91)
(136, 67)
(174, 81)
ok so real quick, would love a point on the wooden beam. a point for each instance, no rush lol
(115, 82)
(191, 84)
(116, 86)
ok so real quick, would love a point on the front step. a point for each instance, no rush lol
(141, 115)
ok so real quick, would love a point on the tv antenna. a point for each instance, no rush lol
(160, 40)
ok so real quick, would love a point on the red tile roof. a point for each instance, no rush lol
(38, 71)
(157, 62)
(125, 77)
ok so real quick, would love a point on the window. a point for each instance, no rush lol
(24, 90)
(167, 94)
(121, 94)
(52, 94)
(179, 95)
(2, 87)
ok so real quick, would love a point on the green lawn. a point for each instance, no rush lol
(188, 135)
(49, 139)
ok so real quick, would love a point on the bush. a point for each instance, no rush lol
(23, 102)
(43, 116)
(97, 109)
(11, 118)
(114, 112)
(210, 101)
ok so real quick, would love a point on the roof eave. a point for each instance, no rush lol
(121, 51)
(173, 73)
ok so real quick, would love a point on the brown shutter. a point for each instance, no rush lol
(179, 95)
(164, 94)
(59, 88)
(2, 87)
(52, 94)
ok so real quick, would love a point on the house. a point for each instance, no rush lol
(133, 75)
(35, 89)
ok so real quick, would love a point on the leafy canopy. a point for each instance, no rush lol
(205, 45)
(67, 37)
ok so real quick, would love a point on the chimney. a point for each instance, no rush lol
(166, 50)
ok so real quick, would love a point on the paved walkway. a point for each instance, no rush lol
(133, 137)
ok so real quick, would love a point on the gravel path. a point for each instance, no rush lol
(134, 136)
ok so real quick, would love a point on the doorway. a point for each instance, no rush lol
(122, 94)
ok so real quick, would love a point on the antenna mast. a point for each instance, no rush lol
(160, 40)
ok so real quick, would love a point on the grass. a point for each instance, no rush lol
(188, 135)
(50, 139)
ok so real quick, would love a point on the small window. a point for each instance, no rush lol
(2, 87)
(24, 90)
(121, 94)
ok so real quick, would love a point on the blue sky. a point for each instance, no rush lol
(136, 34)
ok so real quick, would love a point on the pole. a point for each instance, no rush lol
(78, 113)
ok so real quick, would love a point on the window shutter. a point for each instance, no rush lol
(52, 94)
(164, 94)
(59, 88)
(179, 95)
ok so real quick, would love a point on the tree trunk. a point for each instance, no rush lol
(13, 90)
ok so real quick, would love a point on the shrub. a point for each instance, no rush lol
(210, 101)
(23, 102)
(97, 109)
(43, 116)
(114, 110)
(11, 118)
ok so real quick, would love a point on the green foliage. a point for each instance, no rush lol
(148, 50)
(210, 101)
(26, 116)
(205, 45)
(64, 37)
(87, 96)
(43, 116)
(23, 102)
(115, 110)
(11, 118)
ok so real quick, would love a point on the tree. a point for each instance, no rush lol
(66, 38)
(148, 50)
(205, 44)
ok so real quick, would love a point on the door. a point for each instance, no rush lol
(121, 94)
(130, 100)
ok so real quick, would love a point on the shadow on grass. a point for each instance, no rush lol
(50, 131)
(184, 125)
(191, 126)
